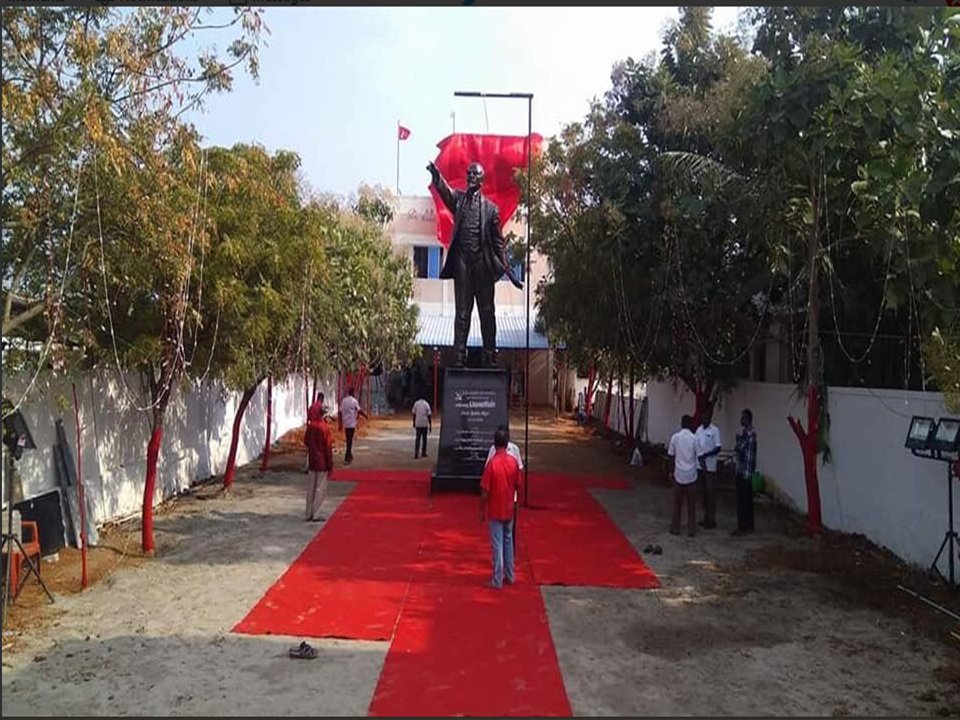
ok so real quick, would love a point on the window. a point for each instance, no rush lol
(427, 261)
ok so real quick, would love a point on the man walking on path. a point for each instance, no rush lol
(708, 447)
(683, 450)
(498, 488)
(422, 423)
(746, 451)
(319, 461)
(349, 410)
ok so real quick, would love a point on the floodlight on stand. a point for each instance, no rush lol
(940, 441)
(920, 433)
(946, 435)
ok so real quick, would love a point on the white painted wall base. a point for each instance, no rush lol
(872, 485)
(195, 444)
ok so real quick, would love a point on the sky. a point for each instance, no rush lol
(334, 82)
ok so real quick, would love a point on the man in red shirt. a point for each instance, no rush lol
(319, 459)
(498, 487)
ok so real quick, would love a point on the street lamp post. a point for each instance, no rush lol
(526, 375)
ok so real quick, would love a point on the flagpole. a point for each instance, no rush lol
(398, 157)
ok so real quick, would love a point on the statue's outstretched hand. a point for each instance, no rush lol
(434, 173)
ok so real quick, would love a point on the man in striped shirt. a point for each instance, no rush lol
(746, 451)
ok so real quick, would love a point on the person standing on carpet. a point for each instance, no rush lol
(683, 450)
(746, 451)
(498, 488)
(512, 450)
(349, 410)
(320, 463)
(422, 424)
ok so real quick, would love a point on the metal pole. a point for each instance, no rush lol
(526, 376)
(8, 537)
(436, 383)
(952, 543)
(526, 379)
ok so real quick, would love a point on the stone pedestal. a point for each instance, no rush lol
(475, 404)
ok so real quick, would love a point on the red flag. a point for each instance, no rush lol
(402, 132)
(500, 156)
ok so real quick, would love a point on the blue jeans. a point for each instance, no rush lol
(501, 542)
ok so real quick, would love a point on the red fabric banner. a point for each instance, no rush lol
(402, 132)
(500, 156)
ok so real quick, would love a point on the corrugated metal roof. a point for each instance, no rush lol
(437, 331)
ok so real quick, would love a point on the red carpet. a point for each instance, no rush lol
(572, 541)
(462, 648)
(351, 579)
(395, 563)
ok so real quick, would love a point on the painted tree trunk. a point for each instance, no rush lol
(588, 400)
(230, 473)
(149, 486)
(306, 393)
(606, 410)
(339, 398)
(623, 404)
(808, 448)
(702, 396)
(808, 439)
(697, 404)
(265, 463)
(81, 499)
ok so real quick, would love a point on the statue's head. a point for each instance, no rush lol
(474, 176)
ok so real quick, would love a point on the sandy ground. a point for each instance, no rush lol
(768, 625)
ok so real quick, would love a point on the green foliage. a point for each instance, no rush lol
(694, 194)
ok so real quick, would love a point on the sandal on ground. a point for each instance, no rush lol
(657, 550)
(303, 652)
(648, 549)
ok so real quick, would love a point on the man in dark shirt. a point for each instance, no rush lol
(476, 259)
(319, 458)
(746, 451)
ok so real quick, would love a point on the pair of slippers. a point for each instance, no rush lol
(303, 652)
(653, 549)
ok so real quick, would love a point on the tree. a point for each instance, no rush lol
(675, 282)
(943, 356)
(844, 141)
(75, 78)
(93, 134)
(259, 247)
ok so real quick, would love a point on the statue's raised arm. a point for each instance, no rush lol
(443, 188)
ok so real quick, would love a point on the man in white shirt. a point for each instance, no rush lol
(708, 447)
(683, 450)
(349, 410)
(512, 450)
(422, 423)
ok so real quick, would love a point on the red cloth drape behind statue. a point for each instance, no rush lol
(500, 156)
